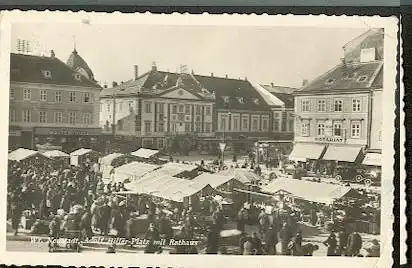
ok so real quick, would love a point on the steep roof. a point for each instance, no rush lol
(29, 68)
(76, 62)
(282, 93)
(349, 76)
(233, 90)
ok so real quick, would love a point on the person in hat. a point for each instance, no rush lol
(331, 243)
(271, 239)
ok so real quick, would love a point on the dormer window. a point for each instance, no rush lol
(256, 101)
(78, 77)
(47, 74)
(225, 99)
(240, 99)
(362, 78)
(330, 81)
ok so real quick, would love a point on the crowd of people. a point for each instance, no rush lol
(62, 198)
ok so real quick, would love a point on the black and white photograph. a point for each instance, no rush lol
(199, 138)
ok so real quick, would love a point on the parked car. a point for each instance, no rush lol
(358, 174)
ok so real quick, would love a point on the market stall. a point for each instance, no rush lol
(132, 171)
(27, 156)
(179, 170)
(83, 156)
(146, 155)
(58, 156)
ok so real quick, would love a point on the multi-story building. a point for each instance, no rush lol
(52, 104)
(161, 110)
(156, 107)
(338, 115)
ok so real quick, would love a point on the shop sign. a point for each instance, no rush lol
(67, 131)
(330, 139)
(15, 133)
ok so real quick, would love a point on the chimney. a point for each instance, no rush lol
(52, 55)
(272, 85)
(211, 74)
(136, 72)
(114, 84)
(245, 78)
(226, 76)
(105, 86)
(154, 67)
(305, 82)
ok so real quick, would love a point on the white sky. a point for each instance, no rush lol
(282, 55)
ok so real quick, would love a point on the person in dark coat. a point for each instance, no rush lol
(152, 235)
(354, 244)
(285, 238)
(296, 244)
(104, 216)
(16, 211)
(343, 240)
(242, 218)
(271, 239)
(212, 240)
(331, 243)
(86, 225)
(257, 244)
(308, 249)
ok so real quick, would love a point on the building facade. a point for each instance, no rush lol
(165, 110)
(51, 106)
(338, 116)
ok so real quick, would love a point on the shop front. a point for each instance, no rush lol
(337, 155)
(309, 154)
(69, 139)
(15, 138)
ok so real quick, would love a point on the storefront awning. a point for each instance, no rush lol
(372, 159)
(145, 153)
(317, 192)
(306, 151)
(342, 153)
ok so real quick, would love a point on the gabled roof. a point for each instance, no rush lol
(81, 151)
(21, 154)
(55, 153)
(77, 63)
(214, 180)
(145, 153)
(347, 77)
(108, 159)
(29, 68)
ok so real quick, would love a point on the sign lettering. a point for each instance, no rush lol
(330, 139)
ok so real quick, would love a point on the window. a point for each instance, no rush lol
(47, 74)
(291, 125)
(265, 124)
(321, 129)
(161, 126)
(58, 117)
(356, 105)
(58, 96)
(147, 126)
(223, 123)
(11, 94)
(245, 122)
(256, 101)
(330, 81)
(160, 144)
(181, 108)
(130, 103)
(187, 127)
(42, 117)
(240, 99)
(305, 129)
(174, 109)
(255, 124)
(180, 117)
(362, 78)
(208, 127)
(148, 107)
(225, 99)
(161, 108)
(355, 129)
(43, 95)
(27, 94)
(87, 97)
(208, 110)
(87, 119)
(235, 123)
(72, 96)
(198, 109)
(338, 105)
(12, 115)
(276, 124)
(197, 127)
(78, 77)
(305, 106)
(321, 106)
(187, 109)
(26, 116)
(337, 129)
(72, 118)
